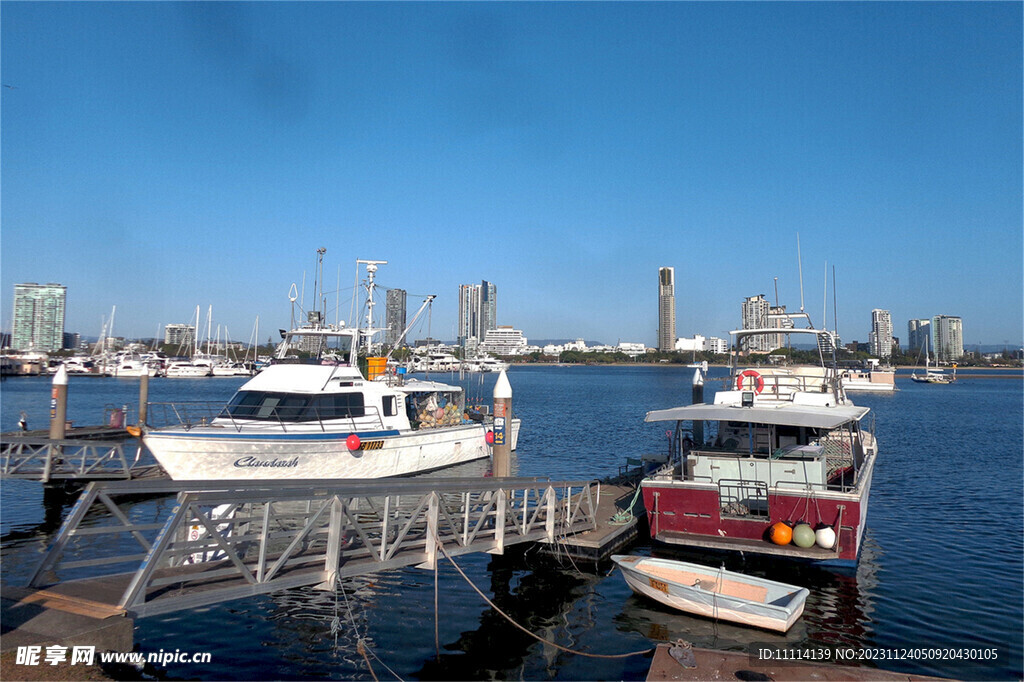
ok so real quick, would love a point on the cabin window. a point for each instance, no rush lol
(290, 407)
(389, 406)
(336, 406)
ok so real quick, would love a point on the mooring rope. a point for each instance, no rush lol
(361, 645)
(624, 516)
(523, 629)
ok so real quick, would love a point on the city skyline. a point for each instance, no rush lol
(159, 156)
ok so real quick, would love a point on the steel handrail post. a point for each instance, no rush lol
(384, 527)
(500, 520)
(549, 522)
(433, 538)
(332, 558)
(48, 464)
(261, 562)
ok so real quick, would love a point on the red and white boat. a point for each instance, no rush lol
(779, 446)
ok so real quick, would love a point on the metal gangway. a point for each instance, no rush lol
(48, 460)
(217, 541)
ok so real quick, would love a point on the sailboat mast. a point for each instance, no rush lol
(800, 269)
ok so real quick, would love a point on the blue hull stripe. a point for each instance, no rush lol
(271, 436)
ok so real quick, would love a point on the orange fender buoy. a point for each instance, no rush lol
(780, 533)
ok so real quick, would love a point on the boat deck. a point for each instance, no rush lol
(744, 545)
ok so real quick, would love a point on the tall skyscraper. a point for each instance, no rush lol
(755, 311)
(917, 332)
(666, 309)
(38, 317)
(395, 315)
(488, 308)
(880, 338)
(947, 338)
(478, 311)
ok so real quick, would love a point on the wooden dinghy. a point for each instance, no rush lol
(715, 593)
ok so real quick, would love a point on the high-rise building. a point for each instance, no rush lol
(488, 308)
(395, 314)
(179, 335)
(478, 311)
(666, 309)
(917, 332)
(38, 317)
(880, 338)
(755, 311)
(947, 338)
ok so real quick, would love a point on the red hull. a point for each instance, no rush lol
(696, 511)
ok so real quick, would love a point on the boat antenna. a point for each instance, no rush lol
(776, 292)
(318, 275)
(800, 269)
(824, 301)
(835, 310)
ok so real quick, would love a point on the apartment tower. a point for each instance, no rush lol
(666, 309)
(880, 338)
(38, 317)
(755, 311)
(478, 311)
(917, 332)
(947, 338)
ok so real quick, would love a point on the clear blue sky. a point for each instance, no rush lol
(160, 156)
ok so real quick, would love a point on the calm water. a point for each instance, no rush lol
(942, 563)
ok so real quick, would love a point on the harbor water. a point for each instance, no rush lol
(942, 566)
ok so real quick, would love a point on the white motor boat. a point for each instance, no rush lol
(186, 370)
(312, 414)
(130, 365)
(869, 377)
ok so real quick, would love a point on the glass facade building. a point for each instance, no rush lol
(38, 317)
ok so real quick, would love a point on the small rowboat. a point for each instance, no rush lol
(715, 593)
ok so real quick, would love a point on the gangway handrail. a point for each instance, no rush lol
(229, 539)
(46, 459)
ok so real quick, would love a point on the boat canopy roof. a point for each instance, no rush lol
(419, 385)
(782, 414)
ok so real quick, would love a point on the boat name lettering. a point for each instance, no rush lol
(254, 462)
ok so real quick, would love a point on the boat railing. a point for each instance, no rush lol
(783, 387)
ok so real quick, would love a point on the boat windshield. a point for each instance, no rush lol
(295, 407)
(316, 345)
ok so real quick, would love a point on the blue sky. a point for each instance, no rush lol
(160, 156)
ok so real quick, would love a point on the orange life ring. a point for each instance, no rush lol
(750, 374)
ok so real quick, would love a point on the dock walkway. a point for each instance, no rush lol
(231, 539)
